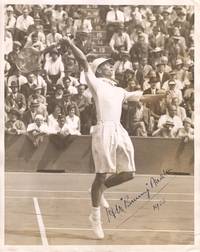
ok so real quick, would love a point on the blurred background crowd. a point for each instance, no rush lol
(152, 48)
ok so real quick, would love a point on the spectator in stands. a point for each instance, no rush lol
(26, 89)
(121, 66)
(153, 85)
(29, 115)
(15, 100)
(187, 132)
(53, 119)
(82, 104)
(70, 65)
(68, 28)
(165, 23)
(54, 68)
(8, 42)
(173, 91)
(184, 25)
(83, 42)
(171, 115)
(161, 74)
(54, 37)
(156, 38)
(145, 68)
(61, 129)
(12, 56)
(18, 78)
(82, 23)
(41, 36)
(22, 24)
(129, 77)
(120, 42)
(59, 16)
(139, 120)
(35, 43)
(166, 130)
(36, 95)
(56, 98)
(135, 31)
(10, 19)
(37, 130)
(14, 125)
(113, 18)
(73, 122)
(180, 71)
(139, 50)
(155, 56)
(180, 110)
(175, 48)
(69, 83)
(36, 12)
(69, 103)
(179, 84)
(164, 61)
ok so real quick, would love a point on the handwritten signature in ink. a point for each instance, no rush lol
(128, 201)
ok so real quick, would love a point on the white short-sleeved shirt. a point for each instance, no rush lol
(108, 98)
(73, 125)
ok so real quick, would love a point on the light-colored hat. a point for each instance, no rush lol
(171, 82)
(179, 62)
(39, 116)
(157, 49)
(97, 62)
(168, 11)
(9, 8)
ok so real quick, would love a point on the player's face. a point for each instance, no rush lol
(107, 69)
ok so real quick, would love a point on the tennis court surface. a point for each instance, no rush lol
(53, 209)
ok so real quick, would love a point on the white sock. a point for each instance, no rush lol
(96, 213)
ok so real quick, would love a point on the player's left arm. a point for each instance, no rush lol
(139, 96)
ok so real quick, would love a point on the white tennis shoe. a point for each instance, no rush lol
(97, 227)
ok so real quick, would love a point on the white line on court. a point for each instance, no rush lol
(126, 230)
(93, 174)
(40, 222)
(69, 191)
(110, 199)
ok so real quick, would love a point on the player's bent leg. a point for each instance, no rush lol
(117, 179)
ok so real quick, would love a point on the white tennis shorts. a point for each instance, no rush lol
(112, 148)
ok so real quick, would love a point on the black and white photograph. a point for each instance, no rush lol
(99, 125)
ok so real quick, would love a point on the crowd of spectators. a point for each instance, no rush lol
(152, 48)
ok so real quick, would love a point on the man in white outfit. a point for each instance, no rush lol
(112, 148)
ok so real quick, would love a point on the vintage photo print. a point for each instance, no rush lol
(100, 126)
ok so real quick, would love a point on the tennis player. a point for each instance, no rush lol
(112, 148)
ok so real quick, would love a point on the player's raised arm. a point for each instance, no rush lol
(79, 55)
